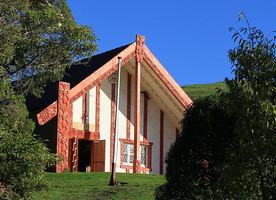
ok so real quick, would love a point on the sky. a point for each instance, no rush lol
(189, 38)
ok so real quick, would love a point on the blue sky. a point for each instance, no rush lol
(189, 38)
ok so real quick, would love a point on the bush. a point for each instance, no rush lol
(7, 193)
(195, 160)
(23, 157)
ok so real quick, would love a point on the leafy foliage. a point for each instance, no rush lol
(250, 171)
(23, 157)
(39, 38)
(195, 160)
(245, 166)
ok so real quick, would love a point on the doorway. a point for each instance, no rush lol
(84, 155)
(89, 154)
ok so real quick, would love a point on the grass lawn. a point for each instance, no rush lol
(199, 90)
(94, 185)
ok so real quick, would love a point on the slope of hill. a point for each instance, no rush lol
(94, 185)
(199, 90)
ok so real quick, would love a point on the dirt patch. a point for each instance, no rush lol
(112, 191)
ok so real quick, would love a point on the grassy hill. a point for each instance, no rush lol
(94, 185)
(199, 90)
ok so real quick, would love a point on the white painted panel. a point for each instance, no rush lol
(132, 108)
(77, 110)
(141, 116)
(169, 137)
(105, 118)
(154, 134)
(122, 117)
(91, 106)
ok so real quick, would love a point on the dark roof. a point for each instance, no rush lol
(73, 75)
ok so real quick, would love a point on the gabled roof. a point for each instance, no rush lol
(155, 80)
(73, 75)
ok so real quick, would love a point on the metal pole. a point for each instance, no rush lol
(113, 173)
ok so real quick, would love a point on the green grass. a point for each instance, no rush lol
(199, 90)
(94, 185)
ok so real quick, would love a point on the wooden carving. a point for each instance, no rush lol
(140, 41)
(63, 124)
(137, 166)
(47, 114)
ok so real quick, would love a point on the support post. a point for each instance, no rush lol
(140, 40)
(137, 161)
(63, 125)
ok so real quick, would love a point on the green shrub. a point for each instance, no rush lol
(195, 160)
(23, 157)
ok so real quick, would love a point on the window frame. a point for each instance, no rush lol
(144, 168)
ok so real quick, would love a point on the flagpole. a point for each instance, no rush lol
(113, 173)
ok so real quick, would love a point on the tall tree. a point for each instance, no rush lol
(250, 170)
(246, 166)
(38, 39)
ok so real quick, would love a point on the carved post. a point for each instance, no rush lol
(140, 40)
(63, 124)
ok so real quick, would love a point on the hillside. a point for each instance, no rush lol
(94, 185)
(199, 90)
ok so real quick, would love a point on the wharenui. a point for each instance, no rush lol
(77, 114)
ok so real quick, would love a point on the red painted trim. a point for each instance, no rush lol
(102, 73)
(168, 81)
(161, 140)
(85, 134)
(144, 143)
(97, 77)
(63, 124)
(84, 110)
(150, 156)
(145, 129)
(73, 154)
(176, 133)
(137, 162)
(112, 129)
(76, 161)
(47, 114)
(128, 105)
(140, 43)
(127, 171)
(98, 88)
(70, 119)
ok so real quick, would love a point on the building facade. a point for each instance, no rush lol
(150, 108)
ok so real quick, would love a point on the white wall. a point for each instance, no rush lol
(105, 119)
(77, 110)
(153, 124)
(122, 117)
(91, 106)
(169, 137)
(154, 134)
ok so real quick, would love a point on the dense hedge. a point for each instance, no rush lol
(195, 160)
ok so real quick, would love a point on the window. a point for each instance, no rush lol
(143, 151)
(128, 154)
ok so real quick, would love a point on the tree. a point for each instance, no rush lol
(196, 159)
(250, 168)
(38, 39)
(246, 167)
(23, 157)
